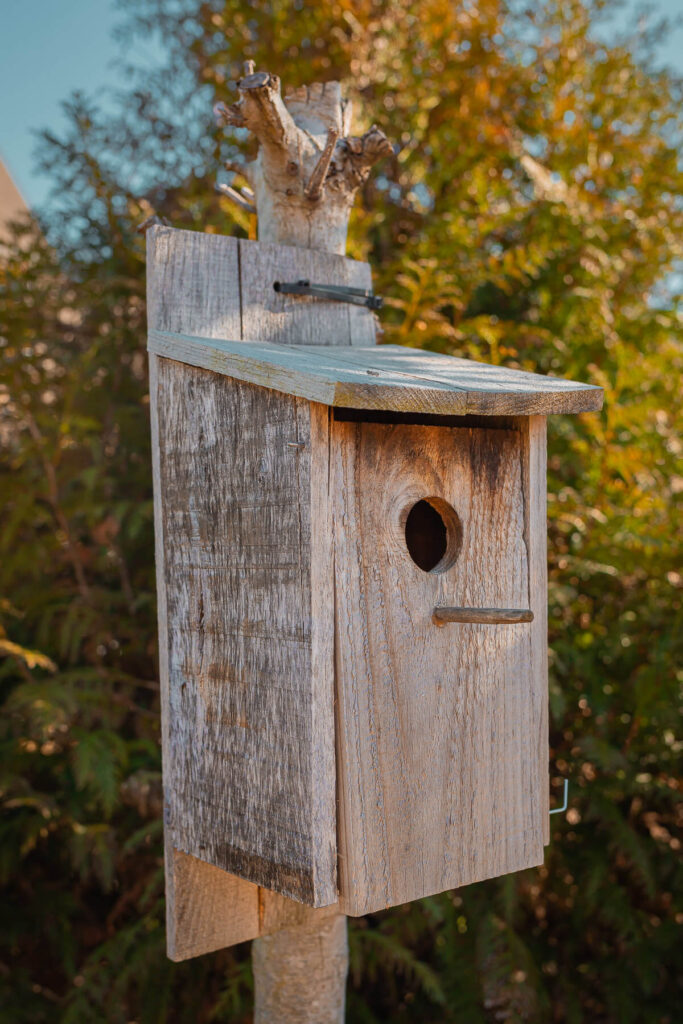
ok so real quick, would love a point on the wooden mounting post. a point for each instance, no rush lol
(304, 181)
(300, 973)
(301, 185)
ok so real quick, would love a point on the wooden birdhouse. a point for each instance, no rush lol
(351, 547)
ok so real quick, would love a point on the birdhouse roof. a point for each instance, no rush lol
(390, 378)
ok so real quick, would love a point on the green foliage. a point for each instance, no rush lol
(530, 218)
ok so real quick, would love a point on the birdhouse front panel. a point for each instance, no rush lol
(438, 725)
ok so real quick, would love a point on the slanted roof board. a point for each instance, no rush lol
(385, 377)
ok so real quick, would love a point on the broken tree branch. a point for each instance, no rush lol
(236, 197)
(262, 109)
(228, 115)
(314, 188)
(243, 169)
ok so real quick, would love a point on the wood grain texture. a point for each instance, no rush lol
(193, 283)
(243, 910)
(184, 293)
(289, 319)
(248, 794)
(536, 531)
(211, 908)
(314, 492)
(437, 777)
(488, 390)
(318, 378)
(373, 379)
(276, 912)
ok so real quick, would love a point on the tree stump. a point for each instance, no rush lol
(303, 182)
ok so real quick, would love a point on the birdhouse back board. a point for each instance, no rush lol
(210, 286)
(441, 729)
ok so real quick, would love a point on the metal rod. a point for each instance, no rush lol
(356, 296)
(559, 810)
(487, 616)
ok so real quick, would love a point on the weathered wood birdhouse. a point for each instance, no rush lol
(352, 579)
(351, 560)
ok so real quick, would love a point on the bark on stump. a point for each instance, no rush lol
(301, 185)
(303, 182)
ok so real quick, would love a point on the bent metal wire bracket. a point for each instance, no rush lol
(559, 810)
(356, 296)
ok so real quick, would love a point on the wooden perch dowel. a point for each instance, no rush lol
(308, 168)
(485, 616)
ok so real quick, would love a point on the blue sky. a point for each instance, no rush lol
(48, 48)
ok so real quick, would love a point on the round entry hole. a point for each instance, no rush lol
(433, 534)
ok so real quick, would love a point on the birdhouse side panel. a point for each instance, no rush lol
(535, 446)
(437, 726)
(249, 787)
